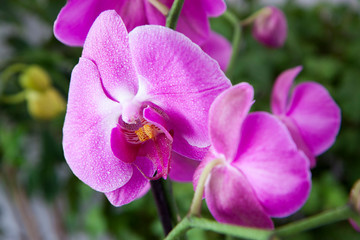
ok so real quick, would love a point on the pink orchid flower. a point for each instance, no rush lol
(262, 173)
(270, 28)
(137, 107)
(77, 16)
(310, 114)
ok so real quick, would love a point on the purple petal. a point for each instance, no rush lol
(280, 92)
(298, 139)
(181, 79)
(214, 8)
(231, 199)
(182, 168)
(316, 114)
(277, 171)
(218, 48)
(132, 13)
(226, 117)
(76, 17)
(121, 148)
(158, 150)
(107, 45)
(193, 21)
(89, 120)
(135, 188)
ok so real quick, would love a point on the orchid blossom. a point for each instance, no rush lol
(138, 107)
(77, 16)
(310, 114)
(261, 173)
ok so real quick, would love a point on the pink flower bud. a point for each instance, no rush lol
(270, 27)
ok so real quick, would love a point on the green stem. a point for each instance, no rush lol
(249, 20)
(328, 217)
(236, 39)
(9, 72)
(205, 224)
(195, 207)
(172, 19)
(13, 99)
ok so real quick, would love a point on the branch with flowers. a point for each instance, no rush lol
(151, 101)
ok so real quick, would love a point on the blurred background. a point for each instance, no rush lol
(41, 198)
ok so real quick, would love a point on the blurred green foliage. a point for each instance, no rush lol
(325, 39)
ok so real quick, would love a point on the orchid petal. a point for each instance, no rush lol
(277, 171)
(214, 8)
(72, 25)
(87, 129)
(121, 148)
(316, 114)
(231, 199)
(179, 78)
(280, 92)
(194, 23)
(135, 188)
(299, 140)
(107, 45)
(182, 168)
(226, 116)
(218, 48)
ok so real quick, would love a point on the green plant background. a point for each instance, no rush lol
(324, 39)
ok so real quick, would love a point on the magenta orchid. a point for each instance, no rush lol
(310, 114)
(270, 27)
(77, 16)
(262, 174)
(138, 105)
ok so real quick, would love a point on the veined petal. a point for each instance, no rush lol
(76, 17)
(181, 79)
(136, 187)
(231, 199)
(219, 48)
(226, 116)
(316, 114)
(107, 45)
(87, 129)
(182, 168)
(280, 92)
(270, 160)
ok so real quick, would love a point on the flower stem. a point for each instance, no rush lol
(13, 99)
(195, 207)
(205, 224)
(249, 20)
(236, 39)
(328, 217)
(165, 204)
(172, 19)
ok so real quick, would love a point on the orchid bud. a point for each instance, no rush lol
(35, 78)
(355, 196)
(355, 204)
(270, 27)
(45, 104)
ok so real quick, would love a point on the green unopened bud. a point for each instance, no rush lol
(35, 78)
(45, 105)
(355, 196)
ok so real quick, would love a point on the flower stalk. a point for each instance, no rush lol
(173, 16)
(236, 40)
(195, 207)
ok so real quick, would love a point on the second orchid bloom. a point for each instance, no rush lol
(261, 173)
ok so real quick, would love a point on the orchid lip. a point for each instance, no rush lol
(149, 137)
